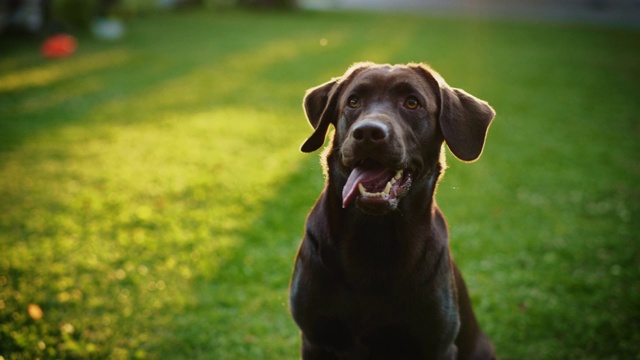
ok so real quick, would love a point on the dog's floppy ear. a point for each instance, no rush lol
(464, 119)
(319, 106)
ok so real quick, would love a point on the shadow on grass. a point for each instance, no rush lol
(96, 84)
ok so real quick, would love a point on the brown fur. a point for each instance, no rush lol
(375, 280)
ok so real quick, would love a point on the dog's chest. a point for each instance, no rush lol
(357, 324)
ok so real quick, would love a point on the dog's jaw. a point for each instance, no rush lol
(376, 189)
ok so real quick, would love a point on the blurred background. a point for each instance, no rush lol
(152, 194)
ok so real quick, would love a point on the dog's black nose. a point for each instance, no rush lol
(370, 131)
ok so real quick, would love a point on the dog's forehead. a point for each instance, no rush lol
(388, 78)
(391, 80)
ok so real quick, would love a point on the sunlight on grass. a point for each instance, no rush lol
(113, 188)
(57, 71)
(126, 189)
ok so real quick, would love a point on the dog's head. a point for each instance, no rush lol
(390, 124)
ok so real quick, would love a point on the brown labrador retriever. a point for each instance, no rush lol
(374, 278)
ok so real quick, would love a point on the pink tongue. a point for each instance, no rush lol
(366, 172)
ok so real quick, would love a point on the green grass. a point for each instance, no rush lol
(152, 195)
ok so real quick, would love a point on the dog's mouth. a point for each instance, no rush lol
(375, 186)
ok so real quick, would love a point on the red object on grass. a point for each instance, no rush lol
(59, 46)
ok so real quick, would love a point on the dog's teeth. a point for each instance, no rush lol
(383, 193)
(364, 191)
(398, 175)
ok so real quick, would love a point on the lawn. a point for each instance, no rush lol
(152, 195)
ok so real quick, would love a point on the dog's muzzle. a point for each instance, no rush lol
(377, 179)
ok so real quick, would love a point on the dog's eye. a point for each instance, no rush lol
(353, 102)
(411, 103)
